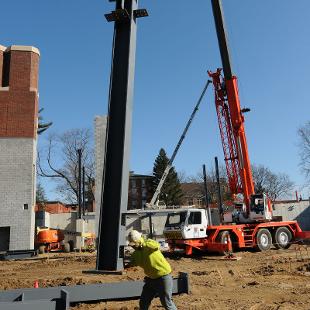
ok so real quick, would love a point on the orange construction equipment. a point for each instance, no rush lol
(50, 240)
(251, 223)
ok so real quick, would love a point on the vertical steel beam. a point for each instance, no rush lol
(219, 193)
(206, 194)
(83, 191)
(116, 168)
(151, 225)
(79, 153)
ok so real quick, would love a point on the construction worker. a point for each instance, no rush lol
(158, 280)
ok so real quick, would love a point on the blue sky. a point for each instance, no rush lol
(176, 45)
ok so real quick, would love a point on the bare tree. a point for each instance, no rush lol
(275, 185)
(58, 160)
(42, 126)
(304, 147)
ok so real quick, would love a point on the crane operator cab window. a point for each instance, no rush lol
(258, 203)
(194, 218)
(176, 219)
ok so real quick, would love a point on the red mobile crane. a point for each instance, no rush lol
(251, 224)
(231, 124)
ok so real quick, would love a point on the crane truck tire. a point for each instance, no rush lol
(67, 247)
(224, 238)
(41, 249)
(263, 240)
(71, 243)
(282, 238)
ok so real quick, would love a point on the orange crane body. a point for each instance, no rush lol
(231, 123)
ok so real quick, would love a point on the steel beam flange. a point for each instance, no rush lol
(119, 15)
(140, 13)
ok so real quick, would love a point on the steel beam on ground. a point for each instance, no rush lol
(64, 295)
(17, 254)
(56, 303)
(31, 305)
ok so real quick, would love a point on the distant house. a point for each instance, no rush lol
(193, 194)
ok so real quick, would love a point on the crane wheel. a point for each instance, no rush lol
(71, 243)
(282, 237)
(41, 249)
(263, 240)
(67, 247)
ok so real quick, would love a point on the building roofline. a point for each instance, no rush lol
(23, 48)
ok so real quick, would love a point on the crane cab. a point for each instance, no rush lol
(186, 224)
(260, 208)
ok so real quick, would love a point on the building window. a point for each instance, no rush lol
(199, 202)
(144, 193)
(26, 206)
(190, 201)
(143, 182)
(133, 183)
(6, 69)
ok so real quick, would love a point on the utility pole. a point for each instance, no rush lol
(114, 196)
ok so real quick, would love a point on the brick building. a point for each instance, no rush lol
(55, 207)
(18, 139)
(140, 190)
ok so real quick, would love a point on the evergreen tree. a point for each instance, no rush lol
(171, 193)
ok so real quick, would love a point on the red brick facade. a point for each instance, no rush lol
(54, 207)
(18, 91)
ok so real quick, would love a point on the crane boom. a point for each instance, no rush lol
(230, 117)
(169, 165)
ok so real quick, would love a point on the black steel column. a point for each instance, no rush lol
(79, 153)
(151, 225)
(206, 194)
(83, 191)
(219, 193)
(116, 170)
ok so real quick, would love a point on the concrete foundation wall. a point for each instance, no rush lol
(294, 210)
(65, 221)
(17, 190)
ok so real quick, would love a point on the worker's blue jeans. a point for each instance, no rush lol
(160, 287)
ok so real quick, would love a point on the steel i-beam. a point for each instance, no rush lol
(60, 298)
(114, 198)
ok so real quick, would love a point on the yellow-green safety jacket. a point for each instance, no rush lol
(150, 258)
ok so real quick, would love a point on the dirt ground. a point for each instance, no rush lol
(258, 281)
